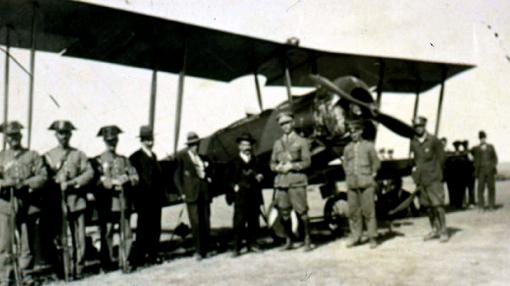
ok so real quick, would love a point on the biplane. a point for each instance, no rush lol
(99, 33)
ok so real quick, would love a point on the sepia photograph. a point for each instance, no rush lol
(284, 142)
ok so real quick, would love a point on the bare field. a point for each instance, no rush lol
(478, 253)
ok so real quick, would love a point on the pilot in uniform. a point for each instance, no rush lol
(360, 163)
(70, 171)
(429, 160)
(246, 193)
(289, 159)
(115, 173)
(23, 172)
(485, 161)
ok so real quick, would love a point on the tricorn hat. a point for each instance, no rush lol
(109, 132)
(146, 132)
(482, 134)
(62, 125)
(11, 127)
(245, 137)
(192, 138)
(420, 121)
(284, 117)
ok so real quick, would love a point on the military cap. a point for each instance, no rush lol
(11, 127)
(62, 125)
(192, 138)
(109, 132)
(456, 143)
(420, 121)
(245, 137)
(146, 132)
(482, 134)
(284, 117)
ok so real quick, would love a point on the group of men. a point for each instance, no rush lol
(29, 182)
(120, 182)
(466, 165)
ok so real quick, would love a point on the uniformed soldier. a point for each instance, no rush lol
(360, 163)
(486, 162)
(289, 159)
(429, 160)
(115, 177)
(22, 172)
(70, 171)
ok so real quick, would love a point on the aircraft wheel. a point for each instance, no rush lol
(335, 213)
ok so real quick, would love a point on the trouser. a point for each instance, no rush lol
(25, 228)
(76, 239)
(437, 219)
(470, 184)
(293, 198)
(199, 217)
(246, 223)
(148, 231)
(362, 208)
(107, 233)
(483, 180)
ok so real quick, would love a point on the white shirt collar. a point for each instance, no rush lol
(244, 157)
(147, 151)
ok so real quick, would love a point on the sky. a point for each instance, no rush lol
(93, 94)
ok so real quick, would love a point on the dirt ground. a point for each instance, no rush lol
(478, 253)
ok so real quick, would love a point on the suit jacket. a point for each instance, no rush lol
(429, 158)
(244, 175)
(187, 180)
(360, 164)
(485, 160)
(150, 190)
(294, 150)
(74, 168)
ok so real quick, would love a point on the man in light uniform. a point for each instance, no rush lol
(289, 159)
(71, 170)
(116, 174)
(23, 172)
(360, 163)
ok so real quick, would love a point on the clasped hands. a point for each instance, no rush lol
(116, 183)
(284, 167)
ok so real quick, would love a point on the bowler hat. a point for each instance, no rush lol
(11, 127)
(192, 138)
(62, 125)
(482, 134)
(284, 117)
(419, 121)
(146, 132)
(109, 132)
(245, 137)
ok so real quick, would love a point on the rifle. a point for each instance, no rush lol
(15, 241)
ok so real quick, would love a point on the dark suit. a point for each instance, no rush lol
(148, 197)
(485, 161)
(195, 191)
(247, 199)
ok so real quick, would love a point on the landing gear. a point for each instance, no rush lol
(336, 213)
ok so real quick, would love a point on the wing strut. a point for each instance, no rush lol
(180, 92)
(31, 76)
(154, 93)
(6, 80)
(259, 94)
(440, 103)
(380, 83)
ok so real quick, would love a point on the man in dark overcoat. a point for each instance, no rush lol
(485, 161)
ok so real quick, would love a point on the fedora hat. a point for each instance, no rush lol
(192, 138)
(246, 137)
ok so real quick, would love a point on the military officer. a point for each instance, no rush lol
(360, 163)
(149, 197)
(246, 192)
(289, 159)
(22, 172)
(71, 170)
(429, 160)
(485, 161)
(115, 177)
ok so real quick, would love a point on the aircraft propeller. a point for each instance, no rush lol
(392, 123)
